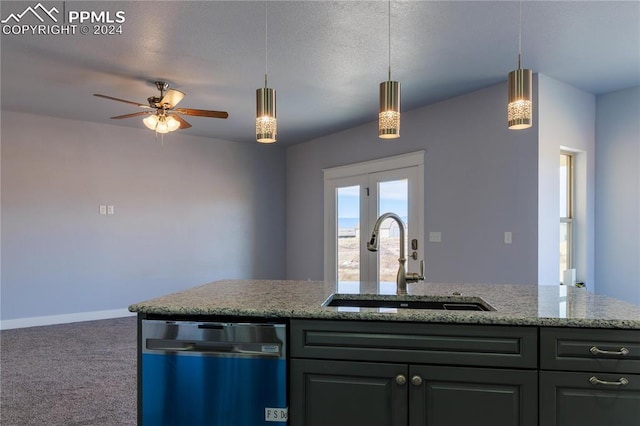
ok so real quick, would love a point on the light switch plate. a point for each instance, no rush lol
(103, 209)
(435, 237)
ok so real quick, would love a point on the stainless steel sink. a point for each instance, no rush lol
(447, 303)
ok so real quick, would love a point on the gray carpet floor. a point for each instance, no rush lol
(69, 374)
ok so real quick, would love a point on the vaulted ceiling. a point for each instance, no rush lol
(325, 58)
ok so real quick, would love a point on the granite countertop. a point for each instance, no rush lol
(514, 304)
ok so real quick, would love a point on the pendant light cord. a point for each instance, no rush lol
(389, 10)
(519, 33)
(266, 27)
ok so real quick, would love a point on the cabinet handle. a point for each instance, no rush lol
(416, 380)
(596, 351)
(401, 379)
(621, 382)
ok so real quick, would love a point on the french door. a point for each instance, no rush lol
(353, 202)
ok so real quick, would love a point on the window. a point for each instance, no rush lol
(567, 236)
(355, 196)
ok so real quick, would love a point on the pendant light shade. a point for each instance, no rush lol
(389, 115)
(520, 107)
(266, 121)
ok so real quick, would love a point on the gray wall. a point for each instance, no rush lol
(193, 210)
(188, 211)
(567, 121)
(618, 195)
(480, 181)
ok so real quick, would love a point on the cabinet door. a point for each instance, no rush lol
(336, 393)
(568, 399)
(458, 396)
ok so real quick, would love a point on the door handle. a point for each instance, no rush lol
(597, 351)
(621, 382)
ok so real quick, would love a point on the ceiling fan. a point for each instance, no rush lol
(162, 114)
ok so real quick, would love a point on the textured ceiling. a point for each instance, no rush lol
(325, 58)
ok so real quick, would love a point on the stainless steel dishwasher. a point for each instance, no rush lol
(213, 373)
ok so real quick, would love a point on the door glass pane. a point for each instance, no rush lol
(393, 196)
(348, 233)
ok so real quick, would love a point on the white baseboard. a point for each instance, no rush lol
(63, 319)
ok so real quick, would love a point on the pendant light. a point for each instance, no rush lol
(266, 121)
(519, 108)
(389, 112)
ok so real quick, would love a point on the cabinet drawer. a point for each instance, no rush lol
(613, 351)
(444, 344)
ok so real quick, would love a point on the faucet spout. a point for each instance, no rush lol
(372, 245)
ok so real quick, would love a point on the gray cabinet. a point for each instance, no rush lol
(452, 396)
(398, 374)
(348, 393)
(589, 377)
(569, 398)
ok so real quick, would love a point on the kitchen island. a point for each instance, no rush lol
(543, 356)
(558, 306)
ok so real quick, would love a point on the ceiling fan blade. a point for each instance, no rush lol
(202, 112)
(122, 100)
(135, 114)
(184, 124)
(171, 98)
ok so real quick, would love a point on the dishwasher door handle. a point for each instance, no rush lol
(168, 345)
(214, 348)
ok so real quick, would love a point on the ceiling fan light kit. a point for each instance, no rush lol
(161, 123)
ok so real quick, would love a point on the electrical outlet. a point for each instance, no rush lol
(110, 209)
(507, 237)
